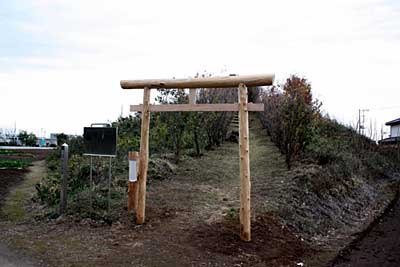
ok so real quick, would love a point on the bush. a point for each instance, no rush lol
(48, 190)
(293, 121)
(288, 116)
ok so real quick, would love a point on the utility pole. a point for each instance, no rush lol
(361, 125)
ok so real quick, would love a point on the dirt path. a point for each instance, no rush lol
(380, 247)
(10, 179)
(9, 258)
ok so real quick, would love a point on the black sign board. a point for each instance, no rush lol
(100, 141)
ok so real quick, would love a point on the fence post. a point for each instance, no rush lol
(134, 164)
(64, 179)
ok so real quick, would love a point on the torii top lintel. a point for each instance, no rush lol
(203, 82)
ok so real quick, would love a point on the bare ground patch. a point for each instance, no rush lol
(272, 243)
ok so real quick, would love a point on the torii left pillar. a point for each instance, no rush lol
(143, 157)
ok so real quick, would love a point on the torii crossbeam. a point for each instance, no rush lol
(243, 107)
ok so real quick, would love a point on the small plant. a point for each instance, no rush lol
(232, 213)
(6, 152)
(13, 164)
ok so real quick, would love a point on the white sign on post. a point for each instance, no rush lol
(132, 171)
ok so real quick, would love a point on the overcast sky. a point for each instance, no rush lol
(61, 61)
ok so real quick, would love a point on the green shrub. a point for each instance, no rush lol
(48, 190)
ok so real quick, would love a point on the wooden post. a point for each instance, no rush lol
(64, 179)
(201, 82)
(245, 213)
(133, 185)
(144, 157)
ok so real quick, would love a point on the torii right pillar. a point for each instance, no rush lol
(245, 186)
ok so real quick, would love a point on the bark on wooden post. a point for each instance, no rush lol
(133, 185)
(245, 216)
(144, 157)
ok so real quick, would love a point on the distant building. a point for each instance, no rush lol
(394, 136)
(53, 139)
(44, 142)
(8, 139)
(394, 127)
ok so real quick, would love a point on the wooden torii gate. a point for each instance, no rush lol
(243, 107)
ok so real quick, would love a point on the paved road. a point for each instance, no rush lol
(380, 247)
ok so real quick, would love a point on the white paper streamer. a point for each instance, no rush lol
(132, 171)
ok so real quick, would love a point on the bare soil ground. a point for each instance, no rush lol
(10, 258)
(379, 247)
(192, 218)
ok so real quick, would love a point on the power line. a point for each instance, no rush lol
(384, 108)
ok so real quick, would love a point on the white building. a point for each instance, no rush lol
(394, 128)
(394, 137)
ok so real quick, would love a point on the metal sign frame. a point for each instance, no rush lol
(110, 156)
(105, 125)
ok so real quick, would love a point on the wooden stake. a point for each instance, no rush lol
(245, 213)
(144, 157)
(64, 179)
(133, 186)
